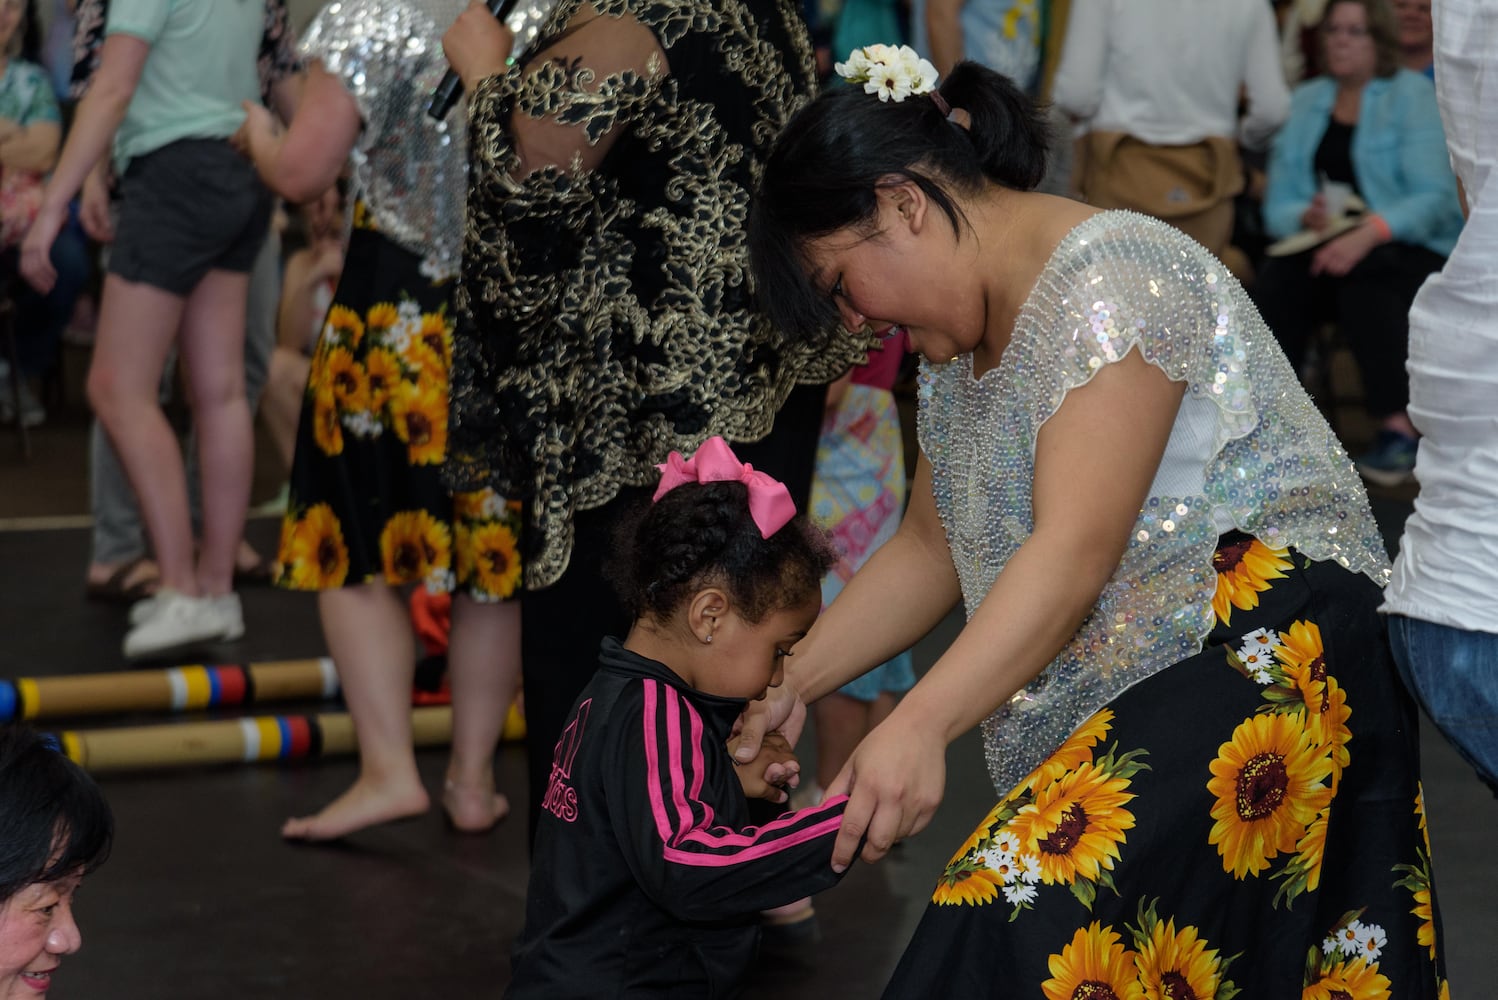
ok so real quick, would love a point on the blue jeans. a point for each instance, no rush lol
(1453, 674)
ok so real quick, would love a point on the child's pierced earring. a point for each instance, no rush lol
(709, 638)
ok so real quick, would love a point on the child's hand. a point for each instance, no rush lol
(772, 772)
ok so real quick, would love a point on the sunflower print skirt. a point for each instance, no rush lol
(367, 501)
(1248, 822)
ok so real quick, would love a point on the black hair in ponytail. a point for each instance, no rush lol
(821, 175)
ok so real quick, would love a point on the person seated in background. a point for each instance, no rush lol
(30, 135)
(1159, 97)
(55, 828)
(1373, 127)
(307, 285)
(1416, 36)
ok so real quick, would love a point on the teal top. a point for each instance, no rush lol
(26, 94)
(1398, 155)
(202, 66)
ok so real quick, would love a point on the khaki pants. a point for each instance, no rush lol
(1191, 187)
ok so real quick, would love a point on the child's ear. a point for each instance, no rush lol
(708, 607)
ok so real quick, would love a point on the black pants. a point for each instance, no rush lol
(1371, 305)
(562, 625)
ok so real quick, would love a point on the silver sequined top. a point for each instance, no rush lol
(408, 168)
(1277, 472)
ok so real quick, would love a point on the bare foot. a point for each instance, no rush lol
(473, 809)
(364, 804)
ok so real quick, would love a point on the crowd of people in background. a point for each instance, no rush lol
(476, 342)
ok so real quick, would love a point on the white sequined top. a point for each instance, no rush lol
(1117, 281)
(410, 169)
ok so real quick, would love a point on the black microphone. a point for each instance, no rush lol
(446, 94)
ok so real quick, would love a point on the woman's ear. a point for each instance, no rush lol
(706, 611)
(904, 200)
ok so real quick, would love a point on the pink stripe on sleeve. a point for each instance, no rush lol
(828, 825)
(652, 762)
(673, 750)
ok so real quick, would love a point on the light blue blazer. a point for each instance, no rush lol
(1398, 157)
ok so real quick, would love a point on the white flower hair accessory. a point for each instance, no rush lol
(893, 73)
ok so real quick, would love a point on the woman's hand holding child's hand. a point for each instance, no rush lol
(780, 712)
(773, 771)
(894, 781)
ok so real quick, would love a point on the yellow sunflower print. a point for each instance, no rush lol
(1094, 966)
(436, 334)
(327, 432)
(413, 544)
(419, 413)
(382, 316)
(1303, 659)
(382, 373)
(345, 325)
(1076, 750)
(971, 887)
(1420, 813)
(313, 553)
(1418, 881)
(346, 376)
(1349, 981)
(495, 552)
(1172, 964)
(1075, 825)
(1268, 781)
(471, 505)
(1244, 570)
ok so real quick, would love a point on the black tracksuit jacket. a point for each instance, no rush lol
(647, 877)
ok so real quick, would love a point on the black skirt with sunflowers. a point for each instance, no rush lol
(1248, 822)
(367, 502)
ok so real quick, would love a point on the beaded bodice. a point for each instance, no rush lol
(1121, 281)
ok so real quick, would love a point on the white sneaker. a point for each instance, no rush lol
(175, 622)
(142, 610)
(228, 605)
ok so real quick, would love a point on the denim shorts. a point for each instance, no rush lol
(190, 207)
(1453, 674)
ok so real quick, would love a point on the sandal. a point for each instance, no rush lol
(257, 574)
(114, 590)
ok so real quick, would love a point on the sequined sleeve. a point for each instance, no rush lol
(608, 315)
(408, 168)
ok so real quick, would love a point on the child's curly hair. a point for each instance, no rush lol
(701, 534)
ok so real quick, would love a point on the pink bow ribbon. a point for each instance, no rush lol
(770, 503)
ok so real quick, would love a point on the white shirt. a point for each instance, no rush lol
(1447, 570)
(1169, 73)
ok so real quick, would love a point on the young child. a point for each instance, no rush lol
(647, 876)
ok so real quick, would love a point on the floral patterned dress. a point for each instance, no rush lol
(1299, 865)
(367, 499)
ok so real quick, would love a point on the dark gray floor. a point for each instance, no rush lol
(202, 899)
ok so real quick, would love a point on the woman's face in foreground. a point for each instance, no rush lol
(901, 277)
(36, 930)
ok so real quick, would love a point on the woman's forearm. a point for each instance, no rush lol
(1034, 608)
(304, 161)
(99, 114)
(903, 591)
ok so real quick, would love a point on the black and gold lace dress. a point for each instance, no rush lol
(607, 277)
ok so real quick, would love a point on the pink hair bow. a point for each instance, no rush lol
(770, 503)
